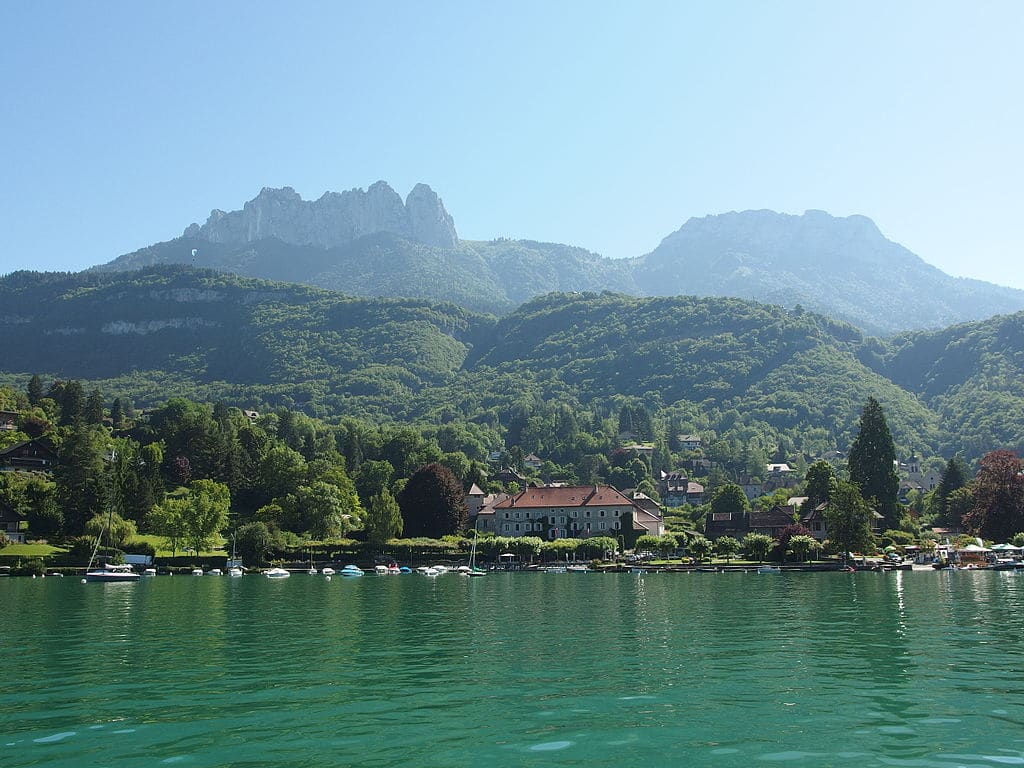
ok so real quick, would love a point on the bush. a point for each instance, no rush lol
(140, 547)
(81, 550)
(34, 566)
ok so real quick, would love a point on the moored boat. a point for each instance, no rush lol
(112, 573)
(769, 569)
(351, 570)
(276, 573)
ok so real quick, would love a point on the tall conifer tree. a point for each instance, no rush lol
(871, 463)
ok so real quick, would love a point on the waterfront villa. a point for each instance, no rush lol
(573, 512)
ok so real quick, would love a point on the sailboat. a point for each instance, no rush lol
(472, 570)
(234, 566)
(108, 573)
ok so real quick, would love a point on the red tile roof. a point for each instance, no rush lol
(568, 496)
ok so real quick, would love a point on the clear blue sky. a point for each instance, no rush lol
(604, 127)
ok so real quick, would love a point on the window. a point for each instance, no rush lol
(517, 526)
(507, 528)
(602, 513)
(601, 527)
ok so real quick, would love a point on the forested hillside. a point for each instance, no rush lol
(738, 372)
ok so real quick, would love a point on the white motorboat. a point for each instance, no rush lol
(112, 573)
(276, 573)
(351, 570)
(441, 569)
(197, 571)
(380, 570)
(149, 572)
(235, 572)
(428, 570)
(215, 572)
(327, 571)
(769, 569)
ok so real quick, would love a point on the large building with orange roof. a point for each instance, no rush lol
(579, 511)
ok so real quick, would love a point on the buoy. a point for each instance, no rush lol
(83, 581)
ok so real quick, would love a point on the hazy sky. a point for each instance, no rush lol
(604, 127)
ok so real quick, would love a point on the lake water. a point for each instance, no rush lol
(867, 669)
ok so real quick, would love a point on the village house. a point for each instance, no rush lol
(676, 489)
(771, 522)
(689, 442)
(508, 475)
(30, 455)
(779, 476)
(532, 461)
(481, 508)
(9, 420)
(573, 512)
(12, 524)
(735, 524)
(814, 521)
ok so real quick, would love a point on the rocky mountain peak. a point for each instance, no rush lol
(332, 220)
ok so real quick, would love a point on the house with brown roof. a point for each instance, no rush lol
(577, 511)
(12, 523)
(814, 521)
(771, 522)
(735, 524)
(9, 420)
(30, 455)
(677, 489)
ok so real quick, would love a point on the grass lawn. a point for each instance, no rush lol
(29, 550)
(160, 543)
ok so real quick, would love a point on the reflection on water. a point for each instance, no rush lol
(909, 669)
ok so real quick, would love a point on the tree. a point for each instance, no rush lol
(433, 503)
(35, 389)
(205, 513)
(253, 542)
(729, 498)
(383, 519)
(958, 505)
(757, 546)
(818, 484)
(998, 511)
(801, 545)
(787, 533)
(322, 510)
(871, 463)
(700, 547)
(167, 519)
(954, 477)
(117, 413)
(373, 477)
(727, 547)
(115, 530)
(72, 403)
(82, 488)
(647, 543)
(94, 408)
(848, 519)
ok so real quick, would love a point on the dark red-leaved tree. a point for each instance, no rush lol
(433, 503)
(998, 511)
(788, 533)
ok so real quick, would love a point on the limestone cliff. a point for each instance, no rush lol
(333, 220)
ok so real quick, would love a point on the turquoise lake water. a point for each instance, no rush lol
(866, 669)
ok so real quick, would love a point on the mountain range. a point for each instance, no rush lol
(372, 243)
